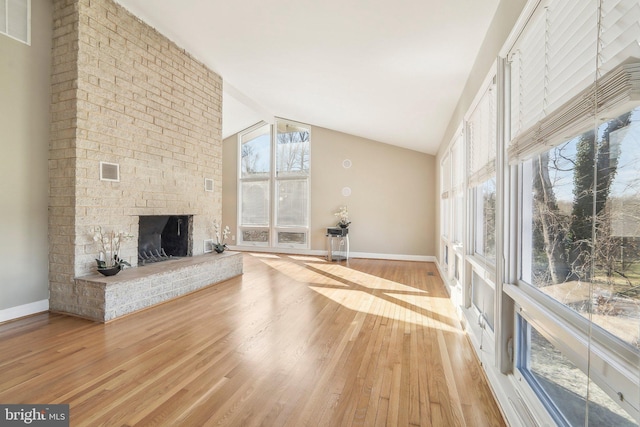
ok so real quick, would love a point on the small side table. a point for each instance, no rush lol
(338, 244)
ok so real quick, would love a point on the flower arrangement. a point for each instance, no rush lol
(109, 247)
(220, 246)
(343, 217)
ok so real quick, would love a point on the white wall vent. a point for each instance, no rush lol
(109, 172)
(208, 184)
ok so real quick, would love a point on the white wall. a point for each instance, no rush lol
(24, 141)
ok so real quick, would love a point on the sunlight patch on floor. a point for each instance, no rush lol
(302, 274)
(354, 299)
(307, 258)
(366, 280)
(263, 255)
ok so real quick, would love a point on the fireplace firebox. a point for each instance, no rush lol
(163, 237)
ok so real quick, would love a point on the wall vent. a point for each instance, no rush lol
(208, 184)
(109, 172)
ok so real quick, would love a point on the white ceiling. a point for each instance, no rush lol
(390, 71)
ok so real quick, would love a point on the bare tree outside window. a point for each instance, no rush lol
(584, 225)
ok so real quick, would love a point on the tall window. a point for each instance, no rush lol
(274, 185)
(481, 134)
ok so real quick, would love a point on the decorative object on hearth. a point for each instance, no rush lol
(220, 246)
(343, 217)
(109, 262)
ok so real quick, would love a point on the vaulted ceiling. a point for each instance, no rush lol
(390, 71)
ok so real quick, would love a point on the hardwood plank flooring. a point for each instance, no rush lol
(294, 341)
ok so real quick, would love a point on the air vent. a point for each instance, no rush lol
(208, 184)
(109, 172)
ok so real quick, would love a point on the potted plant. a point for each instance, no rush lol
(109, 262)
(343, 217)
(220, 246)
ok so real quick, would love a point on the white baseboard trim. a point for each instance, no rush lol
(315, 252)
(12, 313)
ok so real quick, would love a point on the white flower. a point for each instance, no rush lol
(109, 245)
(343, 215)
(225, 232)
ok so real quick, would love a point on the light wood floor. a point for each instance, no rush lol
(294, 341)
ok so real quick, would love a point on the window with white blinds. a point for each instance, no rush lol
(457, 164)
(445, 177)
(457, 188)
(481, 137)
(553, 69)
(15, 19)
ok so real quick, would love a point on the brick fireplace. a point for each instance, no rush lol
(125, 96)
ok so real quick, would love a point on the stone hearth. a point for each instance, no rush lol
(102, 299)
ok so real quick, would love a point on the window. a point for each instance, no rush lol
(457, 184)
(484, 213)
(565, 389)
(292, 183)
(483, 299)
(274, 185)
(580, 247)
(481, 133)
(15, 19)
(255, 186)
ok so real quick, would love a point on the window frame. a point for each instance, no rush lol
(272, 179)
(610, 362)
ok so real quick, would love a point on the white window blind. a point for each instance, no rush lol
(527, 60)
(15, 17)
(616, 92)
(553, 67)
(481, 137)
(457, 164)
(571, 48)
(620, 33)
(445, 176)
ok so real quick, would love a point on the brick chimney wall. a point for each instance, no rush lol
(123, 93)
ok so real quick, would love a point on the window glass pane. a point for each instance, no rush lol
(292, 237)
(563, 387)
(292, 149)
(584, 250)
(458, 220)
(255, 203)
(256, 153)
(483, 299)
(3, 16)
(255, 236)
(292, 202)
(444, 217)
(18, 25)
(485, 218)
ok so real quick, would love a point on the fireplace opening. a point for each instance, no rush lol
(163, 237)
